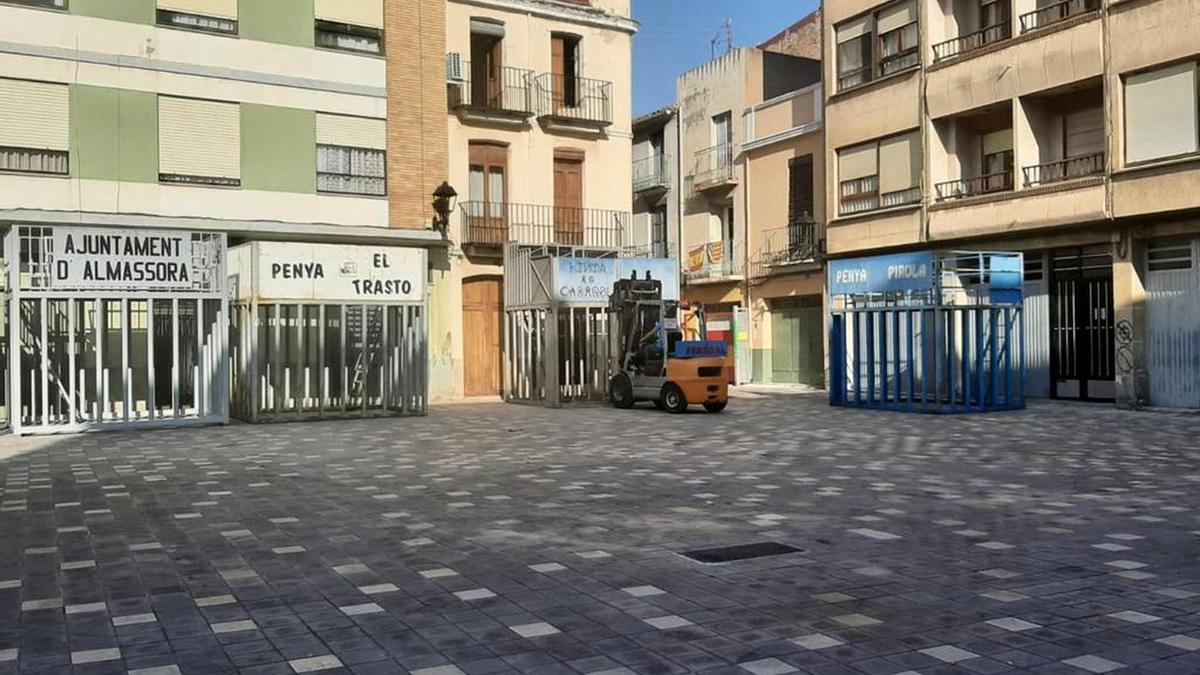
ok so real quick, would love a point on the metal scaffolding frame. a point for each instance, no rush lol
(114, 354)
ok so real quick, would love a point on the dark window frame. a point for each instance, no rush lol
(327, 191)
(323, 27)
(22, 172)
(162, 17)
(57, 5)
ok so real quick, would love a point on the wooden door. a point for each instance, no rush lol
(482, 306)
(568, 201)
(487, 209)
(563, 71)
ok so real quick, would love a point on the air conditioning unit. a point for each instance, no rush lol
(455, 69)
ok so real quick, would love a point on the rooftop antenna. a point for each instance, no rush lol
(727, 31)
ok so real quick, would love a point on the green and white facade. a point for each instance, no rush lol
(221, 121)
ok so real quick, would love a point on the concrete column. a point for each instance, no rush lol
(1129, 304)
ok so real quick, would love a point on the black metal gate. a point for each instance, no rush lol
(1081, 325)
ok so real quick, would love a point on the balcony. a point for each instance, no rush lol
(650, 173)
(783, 117)
(975, 186)
(1059, 11)
(573, 103)
(501, 93)
(713, 262)
(800, 243)
(714, 168)
(486, 227)
(1063, 170)
(972, 41)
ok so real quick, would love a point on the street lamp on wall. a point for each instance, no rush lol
(444, 198)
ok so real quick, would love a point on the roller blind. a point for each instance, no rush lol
(1160, 113)
(34, 115)
(225, 9)
(853, 29)
(896, 16)
(857, 162)
(487, 27)
(899, 163)
(354, 132)
(367, 13)
(1084, 132)
(199, 138)
(997, 141)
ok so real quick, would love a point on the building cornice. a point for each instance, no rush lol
(559, 12)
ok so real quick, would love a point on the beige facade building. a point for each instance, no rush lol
(752, 164)
(1066, 130)
(537, 99)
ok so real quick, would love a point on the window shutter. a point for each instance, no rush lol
(897, 16)
(353, 132)
(34, 115)
(487, 27)
(199, 138)
(899, 163)
(1160, 113)
(367, 13)
(853, 29)
(1084, 132)
(225, 9)
(997, 141)
(856, 162)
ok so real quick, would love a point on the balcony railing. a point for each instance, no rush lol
(493, 224)
(650, 173)
(574, 99)
(1059, 11)
(1064, 169)
(974, 186)
(501, 90)
(713, 261)
(714, 166)
(800, 242)
(972, 41)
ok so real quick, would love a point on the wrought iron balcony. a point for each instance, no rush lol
(502, 91)
(714, 261)
(977, 185)
(972, 41)
(1061, 170)
(800, 242)
(650, 173)
(1059, 11)
(579, 101)
(493, 224)
(714, 167)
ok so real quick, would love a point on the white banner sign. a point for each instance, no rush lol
(293, 271)
(93, 258)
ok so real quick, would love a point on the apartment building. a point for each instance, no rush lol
(747, 121)
(158, 133)
(656, 205)
(537, 100)
(1066, 130)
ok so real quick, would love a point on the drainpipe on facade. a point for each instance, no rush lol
(677, 188)
(749, 304)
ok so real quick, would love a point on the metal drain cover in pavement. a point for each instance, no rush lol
(740, 552)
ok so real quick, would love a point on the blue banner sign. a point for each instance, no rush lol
(693, 349)
(882, 274)
(1007, 277)
(591, 280)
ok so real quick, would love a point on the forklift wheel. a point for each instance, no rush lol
(715, 406)
(620, 391)
(673, 399)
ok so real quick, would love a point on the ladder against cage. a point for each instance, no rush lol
(928, 331)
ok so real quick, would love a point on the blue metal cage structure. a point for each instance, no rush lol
(932, 332)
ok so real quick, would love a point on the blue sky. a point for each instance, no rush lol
(676, 34)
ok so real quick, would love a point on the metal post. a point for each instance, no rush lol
(345, 394)
(72, 418)
(101, 384)
(323, 372)
(176, 397)
(44, 360)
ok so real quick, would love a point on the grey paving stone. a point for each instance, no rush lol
(1094, 664)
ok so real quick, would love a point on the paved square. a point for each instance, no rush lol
(490, 538)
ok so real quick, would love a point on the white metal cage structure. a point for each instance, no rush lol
(112, 329)
(309, 342)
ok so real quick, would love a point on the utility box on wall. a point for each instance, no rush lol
(325, 330)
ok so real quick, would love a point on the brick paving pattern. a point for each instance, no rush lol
(505, 539)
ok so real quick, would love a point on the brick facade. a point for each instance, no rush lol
(802, 38)
(416, 128)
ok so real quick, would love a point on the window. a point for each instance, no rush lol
(199, 142)
(487, 189)
(878, 44)
(564, 70)
(880, 174)
(212, 16)
(996, 161)
(1160, 113)
(1169, 256)
(34, 127)
(487, 64)
(351, 155)
(658, 232)
(350, 25)
(800, 189)
(51, 4)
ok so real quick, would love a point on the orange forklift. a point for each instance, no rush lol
(650, 359)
